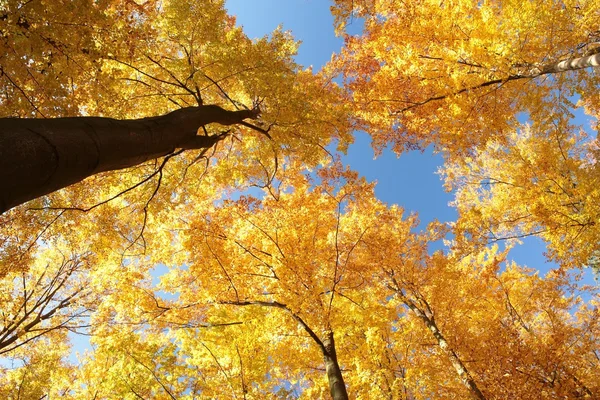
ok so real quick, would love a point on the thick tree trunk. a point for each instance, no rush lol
(337, 387)
(39, 156)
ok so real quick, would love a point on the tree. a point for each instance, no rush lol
(307, 286)
(266, 287)
(296, 254)
(186, 56)
(41, 156)
(543, 184)
(457, 76)
(464, 77)
(32, 312)
(39, 307)
(163, 62)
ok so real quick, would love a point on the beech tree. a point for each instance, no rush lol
(131, 132)
(146, 69)
(267, 287)
(493, 87)
(457, 76)
(41, 156)
(160, 64)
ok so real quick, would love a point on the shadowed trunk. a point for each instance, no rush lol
(460, 368)
(337, 387)
(39, 156)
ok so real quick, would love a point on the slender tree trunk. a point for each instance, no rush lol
(39, 156)
(461, 369)
(572, 64)
(337, 387)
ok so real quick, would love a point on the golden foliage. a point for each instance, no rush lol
(188, 289)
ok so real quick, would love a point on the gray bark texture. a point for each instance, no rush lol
(39, 156)
(572, 64)
(459, 366)
(337, 387)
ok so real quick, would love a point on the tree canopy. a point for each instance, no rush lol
(493, 86)
(172, 191)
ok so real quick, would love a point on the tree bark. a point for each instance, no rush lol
(460, 368)
(39, 156)
(337, 387)
(572, 64)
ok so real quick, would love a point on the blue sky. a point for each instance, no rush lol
(409, 181)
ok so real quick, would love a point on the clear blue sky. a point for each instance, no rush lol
(409, 181)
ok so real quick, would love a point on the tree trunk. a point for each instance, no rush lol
(39, 156)
(337, 387)
(572, 64)
(459, 366)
